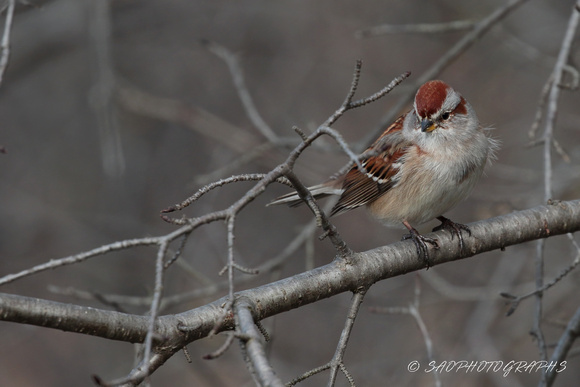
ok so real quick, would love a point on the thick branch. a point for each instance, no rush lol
(362, 269)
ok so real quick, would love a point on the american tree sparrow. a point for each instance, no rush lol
(426, 161)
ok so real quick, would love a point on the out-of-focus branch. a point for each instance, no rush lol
(419, 28)
(413, 311)
(195, 118)
(445, 60)
(548, 139)
(101, 97)
(571, 333)
(237, 74)
(5, 43)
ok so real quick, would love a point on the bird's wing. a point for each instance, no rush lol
(385, 158)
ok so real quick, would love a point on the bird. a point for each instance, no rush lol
(426, 162)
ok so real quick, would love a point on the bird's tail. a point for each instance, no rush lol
(318, 191)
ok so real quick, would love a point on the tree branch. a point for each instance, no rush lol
(564, 344)
(5, 42)
(361, 270)
(253, 347)
(444, 61)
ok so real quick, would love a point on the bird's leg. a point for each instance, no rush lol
(453, 228)
(420, 243)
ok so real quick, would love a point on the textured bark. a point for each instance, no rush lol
(360, 270)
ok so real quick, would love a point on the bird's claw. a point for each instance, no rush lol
(453, 228)
(421, 245)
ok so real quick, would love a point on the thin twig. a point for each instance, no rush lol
(81, 257)
(537, 331)
(337, 361)
(321, 218)
(102, 97)
(514, 301)
(347, 375)
(444, 61)
(343, 145)
(237, 74)
(5, 43)
(349, 104)
(413, 310)
(155, 303)
(230, 336)
(381, 93)
(540, 110)
(562, 350)
(208, 187)
(257, 360)
(560, 150)
(178, 252)
(146, 365)
(420, 28)
(308, 374)
(230, 222)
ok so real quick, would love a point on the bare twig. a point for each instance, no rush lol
(560, 150)
(540, 110)
(571, 333)
(5, 43)
(321, 218)
(238, 77)
(413, 310)
(102, 93)
(343, 145)
(177, 253)
(308, 374)
(514, 301)
(156, 302)
(81, 257)
(230, 336)
(349, 104)
(257, 360)
(231, 222)
(144, 369)
(243, 159)
(421, 28)
(207, 188)
(445, 60)
(193, 117)
(302, 238)
(337, 361)
(537, 331)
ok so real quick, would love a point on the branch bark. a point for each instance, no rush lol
(341, 275)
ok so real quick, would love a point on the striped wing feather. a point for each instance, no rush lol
(360, 188)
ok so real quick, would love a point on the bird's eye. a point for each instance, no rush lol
(445, 116)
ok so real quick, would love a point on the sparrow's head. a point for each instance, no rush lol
(438, 106)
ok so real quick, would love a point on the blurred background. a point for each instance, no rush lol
(110, 112)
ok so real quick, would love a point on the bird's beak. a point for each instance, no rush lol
(427, 126)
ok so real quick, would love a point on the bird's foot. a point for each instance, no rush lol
(453, 228)
(421, 244)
